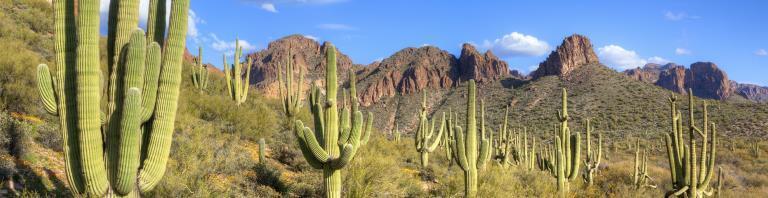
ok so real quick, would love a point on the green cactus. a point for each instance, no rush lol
(690, 179)
(466, 149)
(448, 138)
(425, 132)
(237, 84)
(503, 144)
(262, 151)
(337, 143)
(755, 148)
(123, 149)
(640, 177)
(564, 159)
(396, 133)
(290, 93)
(592, 160)
(200, 72)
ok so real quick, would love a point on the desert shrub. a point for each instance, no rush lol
(269, 176)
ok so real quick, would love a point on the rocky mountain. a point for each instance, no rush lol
(750, 92)
(575, 51)
(307, 55)
(649, 73)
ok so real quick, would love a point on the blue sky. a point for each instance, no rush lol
(625, 34)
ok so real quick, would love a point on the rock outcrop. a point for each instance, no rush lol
(708, 81)
(673, 79)
(750, 92)
(307, 54)
(481, 67)
(576, 50)
(649, 73)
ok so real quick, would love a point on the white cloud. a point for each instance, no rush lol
(679, 16)
(312, 37)
(335, 26)
(193, 20)
(517, 44)
(620, 58)
(761, 52)
(228, 47)
(682, 51)
(269, 7)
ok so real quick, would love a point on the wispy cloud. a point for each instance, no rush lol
(311, 37)
(682, 51)
(517, 44)
(679, 16)
(336, 26)
(620, 58)
(761, 52)
(228, 47)
(269, 7)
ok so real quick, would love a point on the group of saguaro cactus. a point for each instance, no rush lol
(565, 159)
(122, 149)
(290, 91)
(592, 160)
(466, 145)
(690, 172)
(237, 84)
(448, 138)
(334, 142)
(200, 72)
(504, 143)
(426, 131)
(640, 177)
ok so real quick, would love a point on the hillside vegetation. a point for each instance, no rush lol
(215, 151)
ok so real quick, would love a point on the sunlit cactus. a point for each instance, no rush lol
(237, 83)
(690, 172)
(120, 150)
(262, 150)
(425, 133)
(565, 157)
(466, 149)
(640, 178)
(290, 87)
(592, 160)
(200, 72)
(331, 146)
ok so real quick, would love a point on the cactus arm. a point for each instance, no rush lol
(151, 77)
(461, 154)
(156, 22)
(367, 130)
(576, 159)
(485, 153)
(559, 165)
(247, 80)
(227, 75)
(299, 132)
(314, 146)
(130, 135)
(347, 154)
(158, 148)
(45, 86)
(436, 141)
(710, 166)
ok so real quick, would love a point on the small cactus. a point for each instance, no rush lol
(262, 151)
(237, 84)
(200, 72)
(640, 177)
(592, 160)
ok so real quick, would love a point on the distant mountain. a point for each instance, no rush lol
(575, 51)
(705, 78)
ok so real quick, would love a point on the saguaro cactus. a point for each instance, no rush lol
(396, 133)
(339, 144)
(448, 138)
(290, 93)
(466, 149)
(689, 178)
(640, 177)
(425, 132)
(237, 84)
(200, 72)
(262, 150)
(566, 155)
(592, 160)
(135, 129)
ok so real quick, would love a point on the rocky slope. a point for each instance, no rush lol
(575, 51)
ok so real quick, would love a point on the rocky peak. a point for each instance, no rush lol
(673, 79)
(708, 81)
(650, 72)
(307, 55)
(575, 51)
(751, 92)
(481, 67)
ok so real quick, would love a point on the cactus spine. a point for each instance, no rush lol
(290, 93)
(640, 177)
(425, 132)
(237, 84)
(336, 146)
(689, 178)
(466, 149)
(200, 72)
(592, 160)
(122, 149)
(564, 161)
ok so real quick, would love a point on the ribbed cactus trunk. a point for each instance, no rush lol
(592, 161)
(103, 148)
(466, 150)
(425, 132)
(262, 151)
(564, 162)
(200, 72)
(338, 144)
(237, 82)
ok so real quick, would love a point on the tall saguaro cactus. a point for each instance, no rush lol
(200, 72)
(331, 146)
(592, 160)
(122, 149)
(567, 151)
(466, 149)
(237, 84)
(640, 177)
(425, 132)
(290, 91)
(690, 177)
(448, 138)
